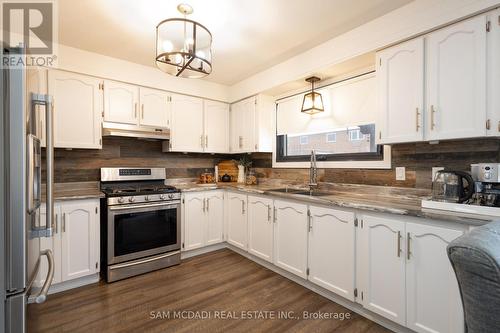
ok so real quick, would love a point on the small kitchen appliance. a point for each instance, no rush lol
(487, 184)
(140, 222)
(449, 186)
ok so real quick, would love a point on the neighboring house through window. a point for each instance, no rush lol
(355, 135)
(331, 137)
(304, 140)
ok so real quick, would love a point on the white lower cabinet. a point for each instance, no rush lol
(203, 219)
(406, 275)
(237, 220)
(332, 250)
(432, 294)
(290, 237)
(260, 227)
(384, 267)
(75, 243)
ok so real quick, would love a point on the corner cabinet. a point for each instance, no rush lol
(400, 84)
(260, 227)
(237, 220)
(290, 237)
(76, 240)
(252, 125)
(203, 215)
(77, 110)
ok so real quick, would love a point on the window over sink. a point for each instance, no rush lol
(344, 135)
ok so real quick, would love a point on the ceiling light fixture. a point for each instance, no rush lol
(313, 102)
(183, 47)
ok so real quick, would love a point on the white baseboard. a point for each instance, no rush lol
(80, 282)
(203, 250)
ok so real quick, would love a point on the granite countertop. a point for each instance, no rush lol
(370, 198)
(75, 191)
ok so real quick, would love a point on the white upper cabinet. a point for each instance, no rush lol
(214, 206)
(121, 103)
(331, 250)
(77, 110)
(383, 262)
(290, 237)
(260, 227)
(456, 80)
(400, 84)
(186, 133)
(237, 220)
(216, 115)
(252, 125)
(493, 83)
(155, 108)
(433, 297)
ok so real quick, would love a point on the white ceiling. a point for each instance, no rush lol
(248, 35)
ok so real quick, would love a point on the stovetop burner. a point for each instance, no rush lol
(113, 190)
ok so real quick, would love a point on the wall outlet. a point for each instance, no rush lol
(435, 170)
(400, 173)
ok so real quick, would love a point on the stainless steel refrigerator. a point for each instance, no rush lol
(21, 196)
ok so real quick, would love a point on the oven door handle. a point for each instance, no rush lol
(127, 207)
(143, 261)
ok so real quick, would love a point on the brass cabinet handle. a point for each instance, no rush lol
(242, 207)
(488, 124)
(206, 140)
(142, 111)
(135, 110)
(241, 141)
(201, 141)
(275, 218)
(399, 244)
(309, 220)
(208, 204)
(408, 251)
(418, 119)
(64, 223)
(269, 213)
(433, 111)
(204, 205)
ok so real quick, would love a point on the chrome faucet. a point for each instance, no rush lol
(313, 172)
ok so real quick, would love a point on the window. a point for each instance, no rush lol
(331, 137)
(304, 140)
(355, 135)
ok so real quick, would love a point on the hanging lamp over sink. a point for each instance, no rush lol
(183, 46)
(313, 102)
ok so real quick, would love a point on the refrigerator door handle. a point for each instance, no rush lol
(42, 295)
(47, 102)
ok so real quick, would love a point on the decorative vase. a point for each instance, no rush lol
(241, 174)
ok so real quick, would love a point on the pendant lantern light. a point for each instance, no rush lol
(183, 46)
(313, 102)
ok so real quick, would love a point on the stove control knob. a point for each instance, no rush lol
(162, 196)
(121, 200)
(146, 198)
(131, 199)
(170, 196)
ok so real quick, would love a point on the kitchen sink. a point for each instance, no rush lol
(313, 193)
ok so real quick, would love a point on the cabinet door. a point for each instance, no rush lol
(155, 108)
(331, 250)
(400, 81)
(121, 103)
(260, 227)
(77, 110)
(186, 134)
(215, 217)
(433, 297)
(493, 85)
(194, 220)
(384, 267)
(79, 238)
(456, 80)
(243, 126)
(52, 243)
(216, 127)
(237, 220)
(290, 237)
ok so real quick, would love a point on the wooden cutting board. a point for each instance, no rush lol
(230, 167)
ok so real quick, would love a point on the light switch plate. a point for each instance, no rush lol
(400, 173)
(435, 170)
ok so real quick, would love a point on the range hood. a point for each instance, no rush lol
(134, 131)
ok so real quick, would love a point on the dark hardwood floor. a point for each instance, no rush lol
(220, 283)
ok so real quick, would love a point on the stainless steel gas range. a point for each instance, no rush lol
(140, 222)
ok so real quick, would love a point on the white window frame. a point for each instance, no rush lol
(334, 135)
(306, 140)
(359, 136)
